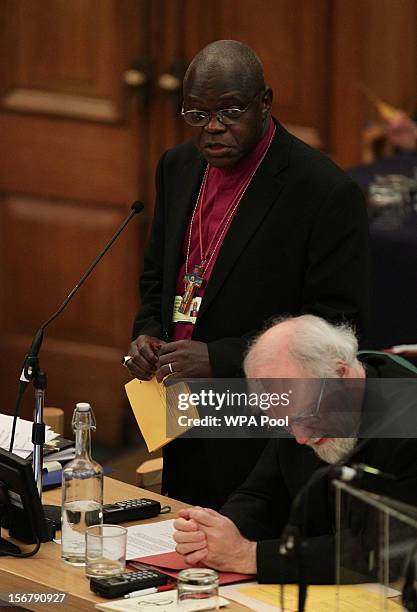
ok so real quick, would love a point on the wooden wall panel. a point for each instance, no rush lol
(291, 38)
(4, 293)
(51, 157)
(66, 58)
(373, 42)
(57, 242)
(347, 104)
(391, 53)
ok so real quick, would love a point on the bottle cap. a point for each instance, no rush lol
(83, 406)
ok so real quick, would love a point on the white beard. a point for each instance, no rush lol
(335, 449)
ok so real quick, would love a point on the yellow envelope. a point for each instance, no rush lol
(155, 407)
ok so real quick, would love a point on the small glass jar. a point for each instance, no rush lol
(198, 589)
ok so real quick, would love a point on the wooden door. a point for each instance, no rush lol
(72, 143)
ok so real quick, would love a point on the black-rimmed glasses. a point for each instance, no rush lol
(225, 116)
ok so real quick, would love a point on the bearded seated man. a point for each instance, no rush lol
(245, 535)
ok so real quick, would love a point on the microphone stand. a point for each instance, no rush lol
(31, 370)
(292, 538)
(292, 534)
(38, 428)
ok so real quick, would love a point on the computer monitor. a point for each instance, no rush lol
(20, 506)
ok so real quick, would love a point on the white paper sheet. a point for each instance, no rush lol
(163, 602)
(153, 539)
(23, 445)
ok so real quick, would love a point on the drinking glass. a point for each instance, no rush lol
(198, 589)
(105, 553)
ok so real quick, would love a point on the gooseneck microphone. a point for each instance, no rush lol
(26, 375)
(292, 534)
(30, 369)
(338, 471)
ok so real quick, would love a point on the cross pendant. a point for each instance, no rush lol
(192, 282)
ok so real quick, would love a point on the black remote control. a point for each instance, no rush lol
(130, 510)
(117, 586)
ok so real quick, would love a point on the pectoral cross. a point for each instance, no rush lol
(192, 282)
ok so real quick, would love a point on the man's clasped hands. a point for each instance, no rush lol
(206, 538)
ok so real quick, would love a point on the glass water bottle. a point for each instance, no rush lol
(82, 489)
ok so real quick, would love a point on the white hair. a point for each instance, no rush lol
(316, 346)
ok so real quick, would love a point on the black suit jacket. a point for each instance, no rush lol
(260, 507)
(298, 243)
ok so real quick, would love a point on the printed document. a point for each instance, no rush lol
(152, 539)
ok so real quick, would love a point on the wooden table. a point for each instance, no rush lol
(46, 573)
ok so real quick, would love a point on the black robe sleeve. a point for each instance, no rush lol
(148, 320)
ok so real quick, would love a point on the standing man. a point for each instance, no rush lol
(249, 223)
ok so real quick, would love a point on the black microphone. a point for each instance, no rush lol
(30, 367)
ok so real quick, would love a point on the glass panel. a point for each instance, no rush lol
(375, 536)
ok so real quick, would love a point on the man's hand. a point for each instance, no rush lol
(205, 537)
(144, 352)
(185, 359)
